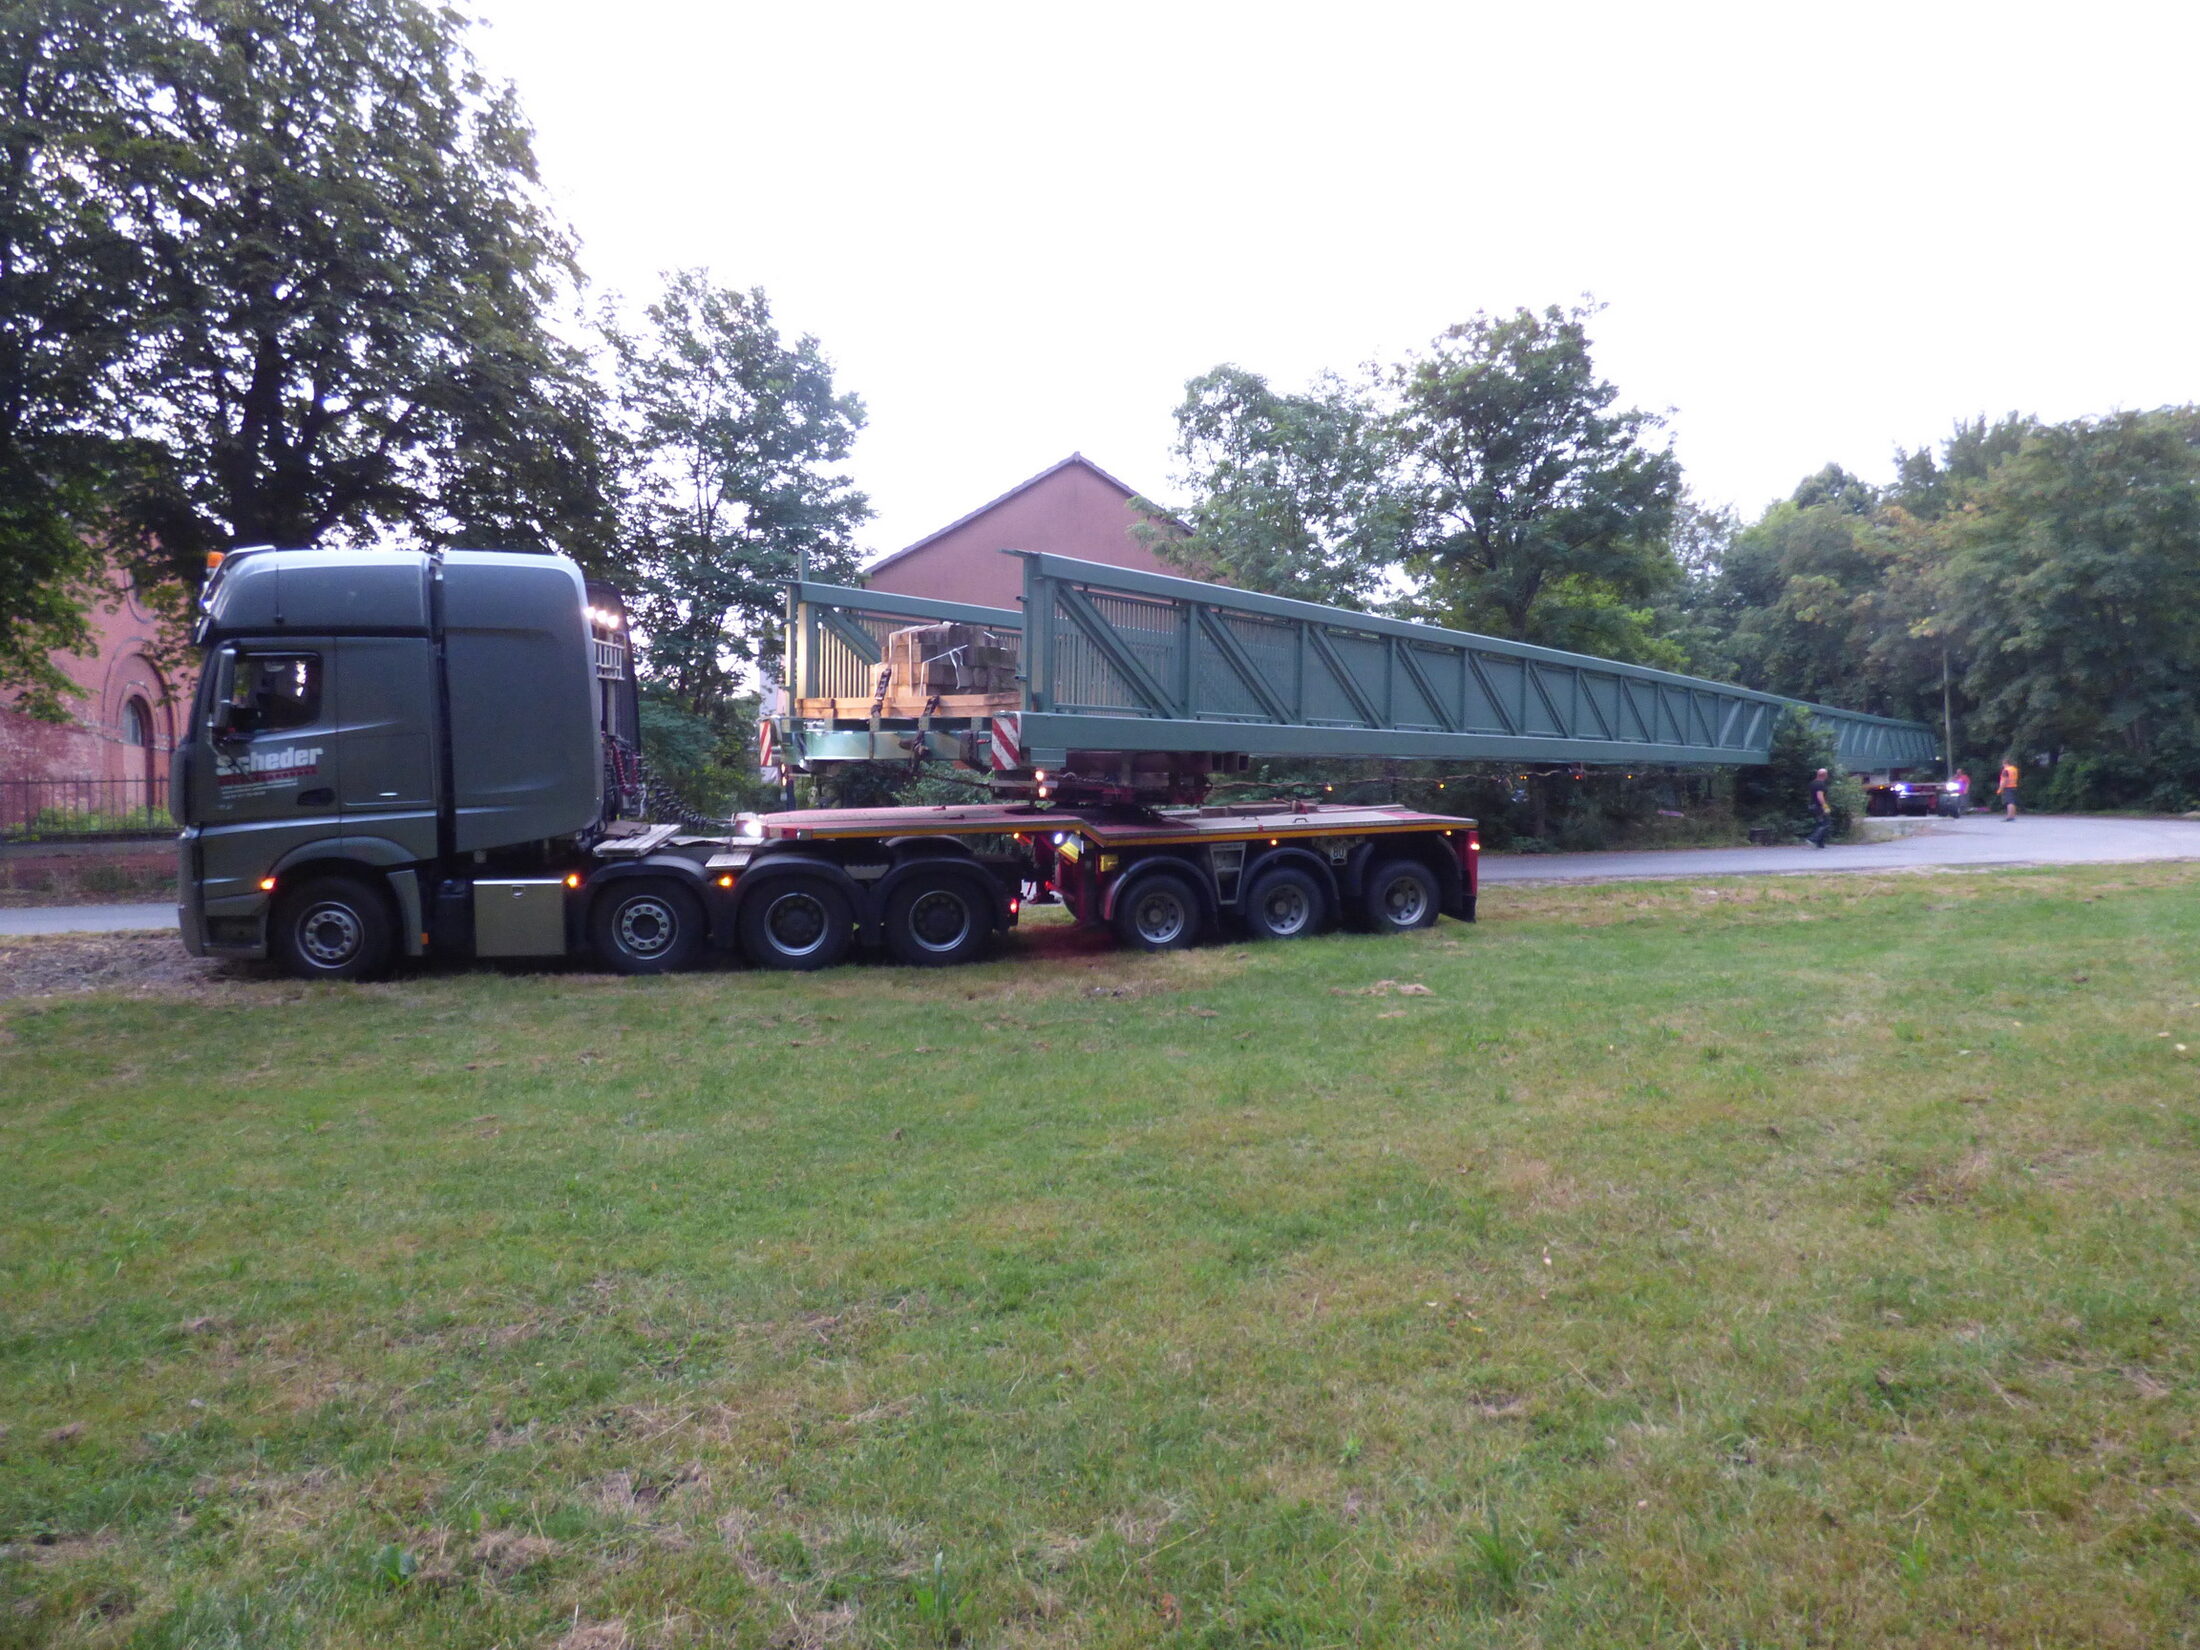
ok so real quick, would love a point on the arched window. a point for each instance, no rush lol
(137, 730)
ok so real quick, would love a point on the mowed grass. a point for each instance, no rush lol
(1795, 1262)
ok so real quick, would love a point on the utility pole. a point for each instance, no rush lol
(1947, 713)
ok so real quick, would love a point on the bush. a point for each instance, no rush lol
(1777, 792)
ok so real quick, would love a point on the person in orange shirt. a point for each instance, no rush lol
(2008, 789)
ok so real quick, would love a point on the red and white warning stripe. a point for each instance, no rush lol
(1007, 750)
(764, 744)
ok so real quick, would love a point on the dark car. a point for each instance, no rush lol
(1914, 796)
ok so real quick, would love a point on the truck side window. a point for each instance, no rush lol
(272, 692)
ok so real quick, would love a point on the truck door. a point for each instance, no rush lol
(386, 715)
(269, 782)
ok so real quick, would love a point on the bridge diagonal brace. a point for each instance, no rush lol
(1080, 612)
(859, 640)
(1330, 657)
(1428, 688)
(1505, 716)
(1234, 655)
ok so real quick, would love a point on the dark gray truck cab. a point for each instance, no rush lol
(410, 723)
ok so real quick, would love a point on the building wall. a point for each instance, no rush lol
(105, 740)
(1071, 510)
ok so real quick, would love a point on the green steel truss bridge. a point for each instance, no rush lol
(1112, 660)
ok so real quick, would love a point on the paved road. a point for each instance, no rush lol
(85, 919)
(2035, 840)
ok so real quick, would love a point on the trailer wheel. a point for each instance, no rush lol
(933, 921)
(796, 922)
(334, 928)
(1160, 913)
(1284, 904)
(646, 927)
(1401, 896)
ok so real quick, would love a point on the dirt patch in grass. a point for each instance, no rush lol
(43, 965)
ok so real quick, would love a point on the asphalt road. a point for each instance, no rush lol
(1979, 839)
(2036, 839)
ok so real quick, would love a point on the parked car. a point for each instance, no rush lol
(1889, 796)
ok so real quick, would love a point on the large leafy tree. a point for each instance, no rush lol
(70, 284)
(1539, 508)
(733, 435)
(351, 274)
(2070, 577)
(1291, 494)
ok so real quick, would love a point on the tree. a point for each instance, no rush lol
(731, 433)
(351, 269)
(68, 283)
(1537, 511)
(1291, 494)
(2070, 578)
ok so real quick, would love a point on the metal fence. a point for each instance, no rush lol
(38, 810)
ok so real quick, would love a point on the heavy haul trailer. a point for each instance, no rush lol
(399, 753)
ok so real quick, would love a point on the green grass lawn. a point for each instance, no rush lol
(1796, 1262)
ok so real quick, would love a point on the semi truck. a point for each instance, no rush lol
(402, 754)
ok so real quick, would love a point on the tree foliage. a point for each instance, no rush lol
(1539, 510)
(274, 271)
(731, 437)
(352, 270)
(69, 284)
(1292, 494)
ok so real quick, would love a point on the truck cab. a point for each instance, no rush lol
(316, 781)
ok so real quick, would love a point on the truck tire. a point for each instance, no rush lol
(1160, 913)
(796, 922)
(1284, 904)
(334, 928)
(644, 926)
(936, 919)
(1401, 895)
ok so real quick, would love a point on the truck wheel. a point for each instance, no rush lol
(796, 922)
(643, 927)
(1160, 913)
(1401, 895)
(932, 921)
(334, 928)
(1284, 904)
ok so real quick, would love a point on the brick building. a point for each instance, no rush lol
(1073, 508)
(123, 728)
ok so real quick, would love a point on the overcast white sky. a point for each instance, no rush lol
(1823, 231)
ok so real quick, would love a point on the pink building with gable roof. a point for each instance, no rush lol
(1073, 508)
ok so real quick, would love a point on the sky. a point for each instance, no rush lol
(1820, 232)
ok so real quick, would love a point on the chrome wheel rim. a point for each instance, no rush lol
(1159, 916)
(798, 924)
(329, 935)
(647, 927)
(1285, 910)
(940, 920)
(1405, 901)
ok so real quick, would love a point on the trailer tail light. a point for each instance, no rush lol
(572, 879)
(1015, 904)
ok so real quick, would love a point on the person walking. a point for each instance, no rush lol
(1963, 790)
(2007, 791)
(1821, 810)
